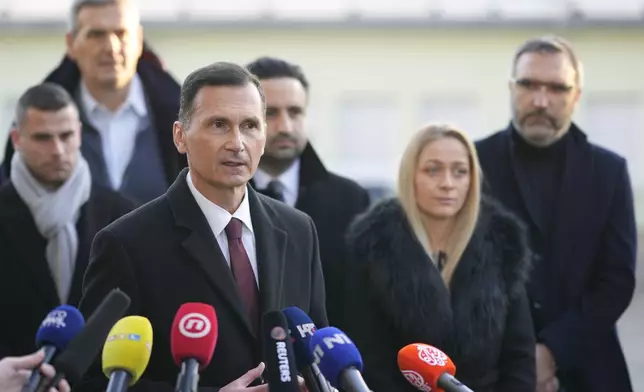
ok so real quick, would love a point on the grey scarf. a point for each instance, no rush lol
(55, 213)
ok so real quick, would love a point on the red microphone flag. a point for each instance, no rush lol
(194, 333)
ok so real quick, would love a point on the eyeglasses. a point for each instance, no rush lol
(550, 87)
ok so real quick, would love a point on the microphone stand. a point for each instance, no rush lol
(188, 379)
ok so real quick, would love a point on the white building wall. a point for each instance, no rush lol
(372, 88)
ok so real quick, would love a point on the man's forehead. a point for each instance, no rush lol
(545, 66)
(107, 16)
(281, 89)
(67, 115)
(244, 98)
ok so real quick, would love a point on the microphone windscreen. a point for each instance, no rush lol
(422, 365)
(333, 351)
(59, 327)
(82, 350)
(281, 372)
(301, 328)
(128, 347)
(194, 333)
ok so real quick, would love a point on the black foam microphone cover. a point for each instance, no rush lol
(281, 371)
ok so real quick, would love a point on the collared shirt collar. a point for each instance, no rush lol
(135, 98)
(290, 179)
(217, 217)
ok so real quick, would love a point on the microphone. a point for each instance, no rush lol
(428, 368)
(301, 328)
(338, 359)
(281, 372)
(82, 350)
(126, 352)
(192, 342)
(55, 332)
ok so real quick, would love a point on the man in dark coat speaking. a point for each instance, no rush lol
(185, 245)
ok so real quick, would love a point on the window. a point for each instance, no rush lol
(463, 112)
(368, 137)
(614, 121)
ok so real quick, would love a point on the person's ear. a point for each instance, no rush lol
(14, 134)
(179, 137)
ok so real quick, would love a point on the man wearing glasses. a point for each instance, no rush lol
(576, 199)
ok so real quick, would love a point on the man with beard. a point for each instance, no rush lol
(577, 200)
(291, 171)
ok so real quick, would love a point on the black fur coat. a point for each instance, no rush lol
(395, 296)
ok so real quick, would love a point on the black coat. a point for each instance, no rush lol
(396, 296)
(165, 254)
(162, 93)
(332, 202)
(584, 277)
(27, 290)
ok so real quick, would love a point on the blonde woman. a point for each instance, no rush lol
(441, 265)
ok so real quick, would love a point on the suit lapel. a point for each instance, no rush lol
(270, 245)
(89, 223)
(311, 171)
(202, 246)
(576, 196)
(29, 245)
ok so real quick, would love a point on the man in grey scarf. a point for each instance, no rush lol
(49, 214)
(54, 189)
(55, 212)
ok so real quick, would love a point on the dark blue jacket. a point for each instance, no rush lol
(584, 275)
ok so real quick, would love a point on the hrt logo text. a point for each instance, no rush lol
(306, 329)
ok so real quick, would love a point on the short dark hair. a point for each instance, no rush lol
(221, 73)
(553, 45)
(271, 68)
(47, 97)
(78, 5)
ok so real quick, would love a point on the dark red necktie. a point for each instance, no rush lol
(243, 272)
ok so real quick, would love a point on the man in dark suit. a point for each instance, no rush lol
(211, 239)
(49, 214)
(577, 199)
(127, 101)
(291, 171)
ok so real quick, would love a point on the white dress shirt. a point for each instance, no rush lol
(290, 180)
(218, 219)
(118, 129)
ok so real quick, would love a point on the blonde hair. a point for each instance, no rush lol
(466, 218)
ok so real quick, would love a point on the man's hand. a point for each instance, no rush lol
(546, 370)
(303, 387)
(48, 371)
(15, 372)
(241, 384)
